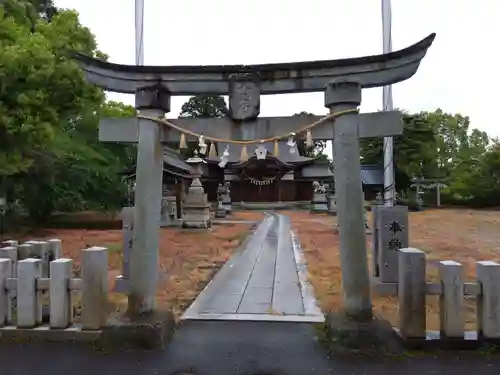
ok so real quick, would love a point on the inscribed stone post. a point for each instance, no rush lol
(122, 281)
(152, 101)
(344, 95)
(392, 235)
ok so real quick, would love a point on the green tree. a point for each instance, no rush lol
(204, 106)
(50, 156)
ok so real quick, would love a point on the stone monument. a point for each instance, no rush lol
(319, 202)
(196, 209)
(244, 84)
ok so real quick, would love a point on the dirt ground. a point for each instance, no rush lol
(466, 236)
(188, 259)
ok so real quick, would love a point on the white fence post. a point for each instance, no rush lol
(10, 252)
(24, 251)
(411, 293)
(55, 246)
(29, 308)
(451, 300)
(41, 250)
(61, 314)
(5, 272)
(488, 303)
(95, 288)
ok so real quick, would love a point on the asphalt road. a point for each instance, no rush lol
(229, 348)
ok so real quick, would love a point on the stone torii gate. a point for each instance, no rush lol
(341, 80)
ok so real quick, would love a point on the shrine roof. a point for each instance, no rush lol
(173, 164)
(283, 156)
(372, 175)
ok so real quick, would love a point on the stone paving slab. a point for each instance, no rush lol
(265, 281)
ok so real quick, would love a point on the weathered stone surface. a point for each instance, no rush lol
(283, 78)
(95, 288)
(244, 97)
(392, 234)
(29, 308)
(154, 97)
(332, 204)
(342, 95)
(488, 303)
(146, 331)
(61, 312)
(451, 301)
(373, 337)
(411, 294)
(319, 203)
(147, 196)
(196, 209)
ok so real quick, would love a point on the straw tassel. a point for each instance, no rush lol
(309, 140)
(212, 151)
(276, 150)
(244, 154)
(182, 142)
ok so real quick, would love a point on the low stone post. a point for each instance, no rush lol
(451, 301)
(340, 95)
(10, 253)
(5, 272)
(29, 307)
(411, 294)
(488, 303)
(61, 312)
(95, 287)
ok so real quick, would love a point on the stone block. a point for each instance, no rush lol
(10, 253)
(95, 288)
(392, 234)
(29, 307)
(411, 294)
(41, 251)
(319, 203)
(244, 97)
(154, 97)
(61, 312)
(451, 301)
(147, 331)
(55, 248)
(488, 303)
(372, 337)
(5, 272)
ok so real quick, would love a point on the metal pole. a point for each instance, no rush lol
(139, 32)
(389, 186)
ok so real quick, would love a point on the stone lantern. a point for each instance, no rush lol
(196, 209)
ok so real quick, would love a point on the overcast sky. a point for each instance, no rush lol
(459, 74)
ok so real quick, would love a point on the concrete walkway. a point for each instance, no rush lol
(265, 281)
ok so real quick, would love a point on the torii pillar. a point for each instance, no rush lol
(144, 258)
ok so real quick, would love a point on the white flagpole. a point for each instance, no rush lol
(139, 32)
(389, 186)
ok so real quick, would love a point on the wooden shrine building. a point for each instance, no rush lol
(281, 176)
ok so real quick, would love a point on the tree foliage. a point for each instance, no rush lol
(50, 156)
(204, 106)
(441, 146)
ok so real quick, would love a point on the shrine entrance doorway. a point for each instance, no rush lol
(259, 181)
